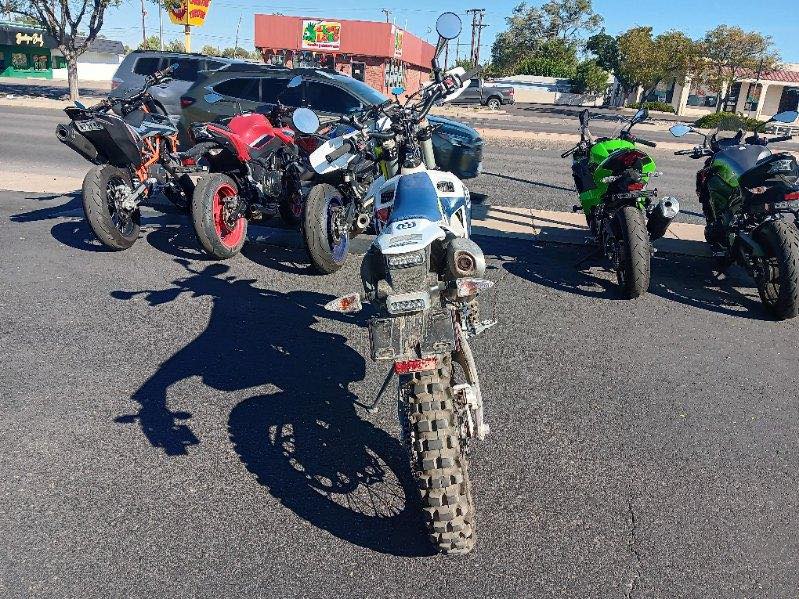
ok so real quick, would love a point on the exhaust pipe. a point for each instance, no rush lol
(661, 216)
(71, 137)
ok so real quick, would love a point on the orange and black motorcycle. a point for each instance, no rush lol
(134, 147)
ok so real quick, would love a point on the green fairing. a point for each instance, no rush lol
(599, 154)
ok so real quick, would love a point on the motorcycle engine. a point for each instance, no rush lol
(268, 179)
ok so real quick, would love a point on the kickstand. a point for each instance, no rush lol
(371, 409)
(595, 252)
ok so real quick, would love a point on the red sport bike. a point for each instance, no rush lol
(255, 171)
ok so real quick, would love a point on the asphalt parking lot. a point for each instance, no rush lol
(172, 425)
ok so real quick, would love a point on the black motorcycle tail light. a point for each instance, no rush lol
(792, 197)
(635, 186)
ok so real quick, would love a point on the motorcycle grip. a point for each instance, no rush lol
(344, 149)
(646, 142)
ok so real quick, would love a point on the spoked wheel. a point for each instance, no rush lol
(778, 276)
(103, 191)
(629, 251)
(219, 228)
(325, 229)
(439, 458)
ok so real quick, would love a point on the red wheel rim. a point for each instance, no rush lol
(230, 237)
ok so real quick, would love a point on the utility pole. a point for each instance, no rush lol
(388, 14)
(143, 29)
(236, 46)
(477, 27)
(161, 25)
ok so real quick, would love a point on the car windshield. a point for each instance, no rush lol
(368, 94)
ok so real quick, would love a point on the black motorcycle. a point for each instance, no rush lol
(134, 146)
(746, 193)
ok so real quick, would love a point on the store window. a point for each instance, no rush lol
(19, 60)
(39, 62)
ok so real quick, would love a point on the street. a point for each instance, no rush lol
(177, 426)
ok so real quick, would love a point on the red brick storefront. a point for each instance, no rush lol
(380, 54)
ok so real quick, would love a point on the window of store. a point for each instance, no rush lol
(19, 61)
(40, 62)
(789, 99)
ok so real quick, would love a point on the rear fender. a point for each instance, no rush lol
(408, 236)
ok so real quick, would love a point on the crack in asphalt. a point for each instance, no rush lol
(631, 544)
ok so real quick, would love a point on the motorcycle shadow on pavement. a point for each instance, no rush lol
(687, 280)
(306, 443)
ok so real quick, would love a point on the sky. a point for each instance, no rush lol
(777, 18)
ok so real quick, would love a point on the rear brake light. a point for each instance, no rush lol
(792, 197)
(383, 214)
(115, 83)
(408, 366)
(189, 162)
(635, 187)
(185, 102)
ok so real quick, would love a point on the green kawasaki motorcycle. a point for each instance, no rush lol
(747, 194)
(611, 176)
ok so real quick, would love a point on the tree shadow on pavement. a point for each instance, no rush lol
(305, 442)
(73, 203)
(687, 280)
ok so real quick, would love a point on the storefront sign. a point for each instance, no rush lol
(321, 35)
(189, 12)
(30, 39)
(398, 35)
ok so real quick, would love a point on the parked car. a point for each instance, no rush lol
(492, 95)
(140, 64)
(458, 148)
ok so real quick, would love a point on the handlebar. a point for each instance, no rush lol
(782, 138)
(568, 153)
(645, 142)
(345, 148)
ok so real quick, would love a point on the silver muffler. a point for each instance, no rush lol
(661, 216)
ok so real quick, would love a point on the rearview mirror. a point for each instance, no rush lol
(789, 116)
(641, 116)
(212, 98)
(448, 25)
(680, 130)
(584, 116)
(295, 81)
(305, 121)
(397, 91)
(79, 104)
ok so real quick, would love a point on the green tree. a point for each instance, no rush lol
(556, 57)
(74, 24)
(590, 78)
(606, 50)
(566, 18)
(211, 50)
(530, 27)
(175, 46)
(153, 42)
(728, 50)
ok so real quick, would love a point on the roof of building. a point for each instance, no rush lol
(784, 75)
(105, 46)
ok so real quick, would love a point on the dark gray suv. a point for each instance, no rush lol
(458, 148)
(139, 64)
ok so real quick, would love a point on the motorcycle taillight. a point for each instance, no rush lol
(409, 366)
(792, 197)
(635, 186)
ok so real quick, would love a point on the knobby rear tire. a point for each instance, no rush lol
(780, 295)
(99, 213)
(439, 462)
(633, 272)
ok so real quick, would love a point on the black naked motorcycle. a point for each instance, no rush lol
(134, 146)
(747, 194)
